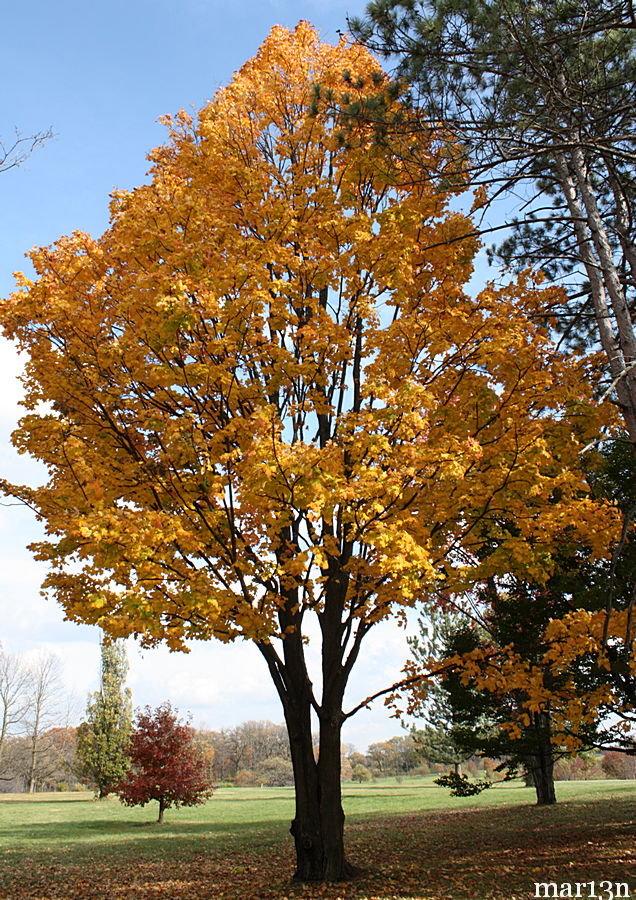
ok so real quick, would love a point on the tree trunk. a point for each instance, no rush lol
(32, 761)
(305, 828)
(542, 777)
(332, 817)
(618, 347)
(318, 825)
(541, 763)
(162, 806)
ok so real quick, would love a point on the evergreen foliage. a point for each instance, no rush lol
(540, 96)
(556, 706)
(102, 740)
(436, 741)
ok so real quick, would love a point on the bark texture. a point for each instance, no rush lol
(318, 824)
(541, 763)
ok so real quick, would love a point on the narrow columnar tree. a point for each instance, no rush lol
(102, 740)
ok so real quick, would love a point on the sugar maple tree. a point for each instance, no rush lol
(269, 400)
(165, 764)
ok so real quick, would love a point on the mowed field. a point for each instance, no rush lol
(411, 840)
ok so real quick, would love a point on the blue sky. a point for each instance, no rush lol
(100, 75)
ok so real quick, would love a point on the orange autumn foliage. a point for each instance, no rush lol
(261, 377)
(265, 396)
(581, 679)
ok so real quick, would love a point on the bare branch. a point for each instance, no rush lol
(13, 154)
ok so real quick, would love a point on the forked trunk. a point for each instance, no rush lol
(318, 825)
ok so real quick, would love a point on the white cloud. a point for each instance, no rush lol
(14, 467)
(11, 366)
(221, 685)
(211, 677)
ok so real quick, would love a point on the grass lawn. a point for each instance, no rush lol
(411, 840)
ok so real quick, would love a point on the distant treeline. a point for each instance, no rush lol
(257, 753)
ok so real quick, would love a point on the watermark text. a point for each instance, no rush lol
(602, 890)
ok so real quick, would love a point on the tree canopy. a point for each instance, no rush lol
(265, 397)
(165, 763)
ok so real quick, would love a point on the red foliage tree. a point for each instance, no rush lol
(165, 763)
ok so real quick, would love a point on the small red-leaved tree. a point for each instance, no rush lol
(165, 763)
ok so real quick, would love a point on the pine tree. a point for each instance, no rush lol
(103, 739)
(435, 740)
(539, 97)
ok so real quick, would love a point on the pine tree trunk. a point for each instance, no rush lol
(619, 344)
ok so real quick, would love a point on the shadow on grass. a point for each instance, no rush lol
(118, 832)
(468, 854)
(115, 832)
